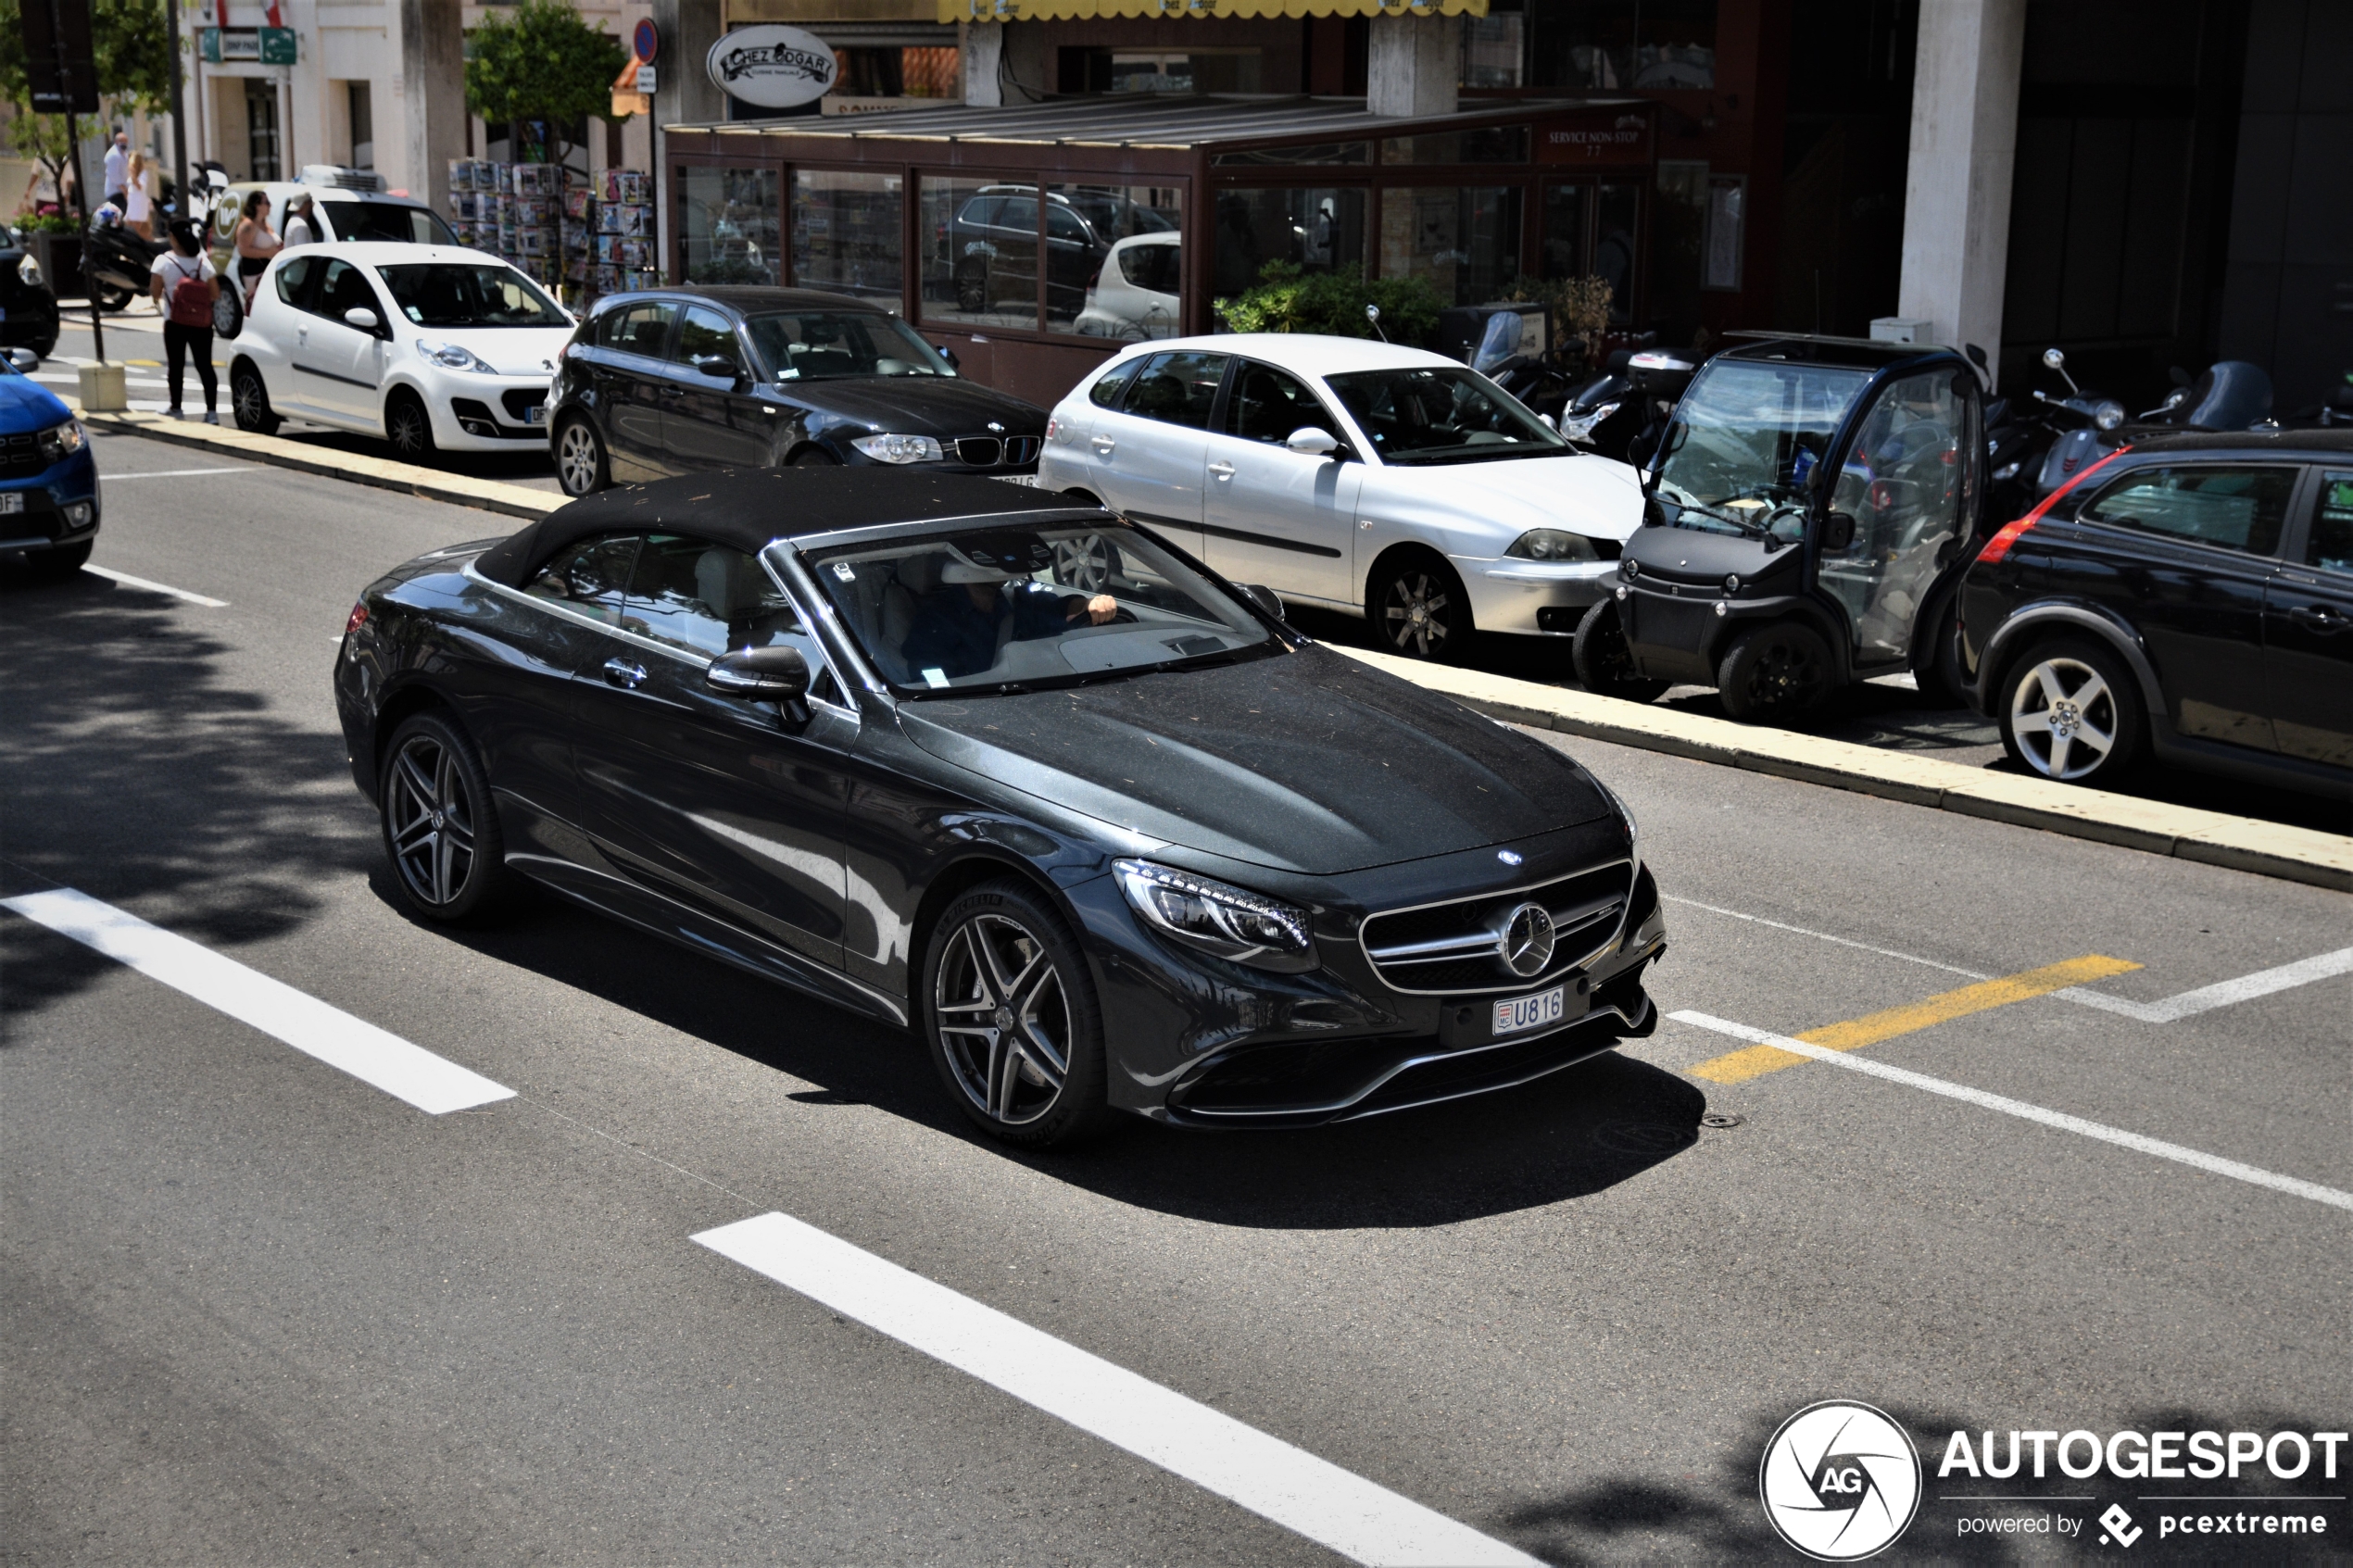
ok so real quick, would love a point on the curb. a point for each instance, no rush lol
(2293, 854)
(487, 495)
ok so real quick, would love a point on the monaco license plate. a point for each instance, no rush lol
(1523, 1013)
(11, 500)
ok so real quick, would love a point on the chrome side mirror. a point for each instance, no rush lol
(771, 675)
(25, 360)
(1310, 442)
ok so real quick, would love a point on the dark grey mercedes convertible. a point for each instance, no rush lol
(1097, 825)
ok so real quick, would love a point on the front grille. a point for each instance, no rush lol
(519, 402)
(1455, 947)
(1020, 449)
(979, 451)
(20, 455)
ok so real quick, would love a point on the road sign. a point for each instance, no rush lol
(267, 45)
(646, 42)
(277, 46)
(56, 56)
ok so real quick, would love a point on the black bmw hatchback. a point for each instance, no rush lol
(658, 383)
(1099, 827)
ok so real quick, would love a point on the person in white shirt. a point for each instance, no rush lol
(139, 193)
(117, 164)
(184, 284)
(303, 224)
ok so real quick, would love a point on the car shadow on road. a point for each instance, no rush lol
(131, 768)
(1577, 1132)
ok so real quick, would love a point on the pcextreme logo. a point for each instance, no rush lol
(1839, 1480)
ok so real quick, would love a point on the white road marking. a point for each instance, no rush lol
(429, 1083)
(173, 473)
(1267, 1476)
(130, 582)
(2059, 1119)
(2246, 988)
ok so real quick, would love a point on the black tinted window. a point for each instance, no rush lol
(591, 576)
(387, 220)
(1105, 392)
(706, 334)
(483, 293)
(707, 599)
(2331, 547)
(638, 329)
(1266, 404)
(344, 288)
(1151, 266)
(1178, 389)
(2225, 506)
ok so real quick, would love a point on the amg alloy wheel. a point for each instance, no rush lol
(1420, 611)
(439, 826)
(1012, 1018)
(580, 458)
(2070, 714)
(1086, 564)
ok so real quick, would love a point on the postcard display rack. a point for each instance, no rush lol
(598, 239)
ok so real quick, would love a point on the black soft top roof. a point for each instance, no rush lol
(750, 507)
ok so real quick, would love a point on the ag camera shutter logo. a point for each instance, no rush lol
(1839, 1480)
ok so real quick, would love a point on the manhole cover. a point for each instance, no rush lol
(1643, 1137)
(1719, 1120)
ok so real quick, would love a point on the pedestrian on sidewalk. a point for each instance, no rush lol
(303, 227)
(140, 192)
(185, 284)
(117, 167)
(254, 243)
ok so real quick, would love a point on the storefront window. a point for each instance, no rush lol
(1564, 232)
(1617, 217)
(728, 226)
(980, 252)
(1464, 240)
(1096, 282)
(1497, 144)
(1327, 151)
(846, 234)
(1493, 54)
(1318, 231)
(1618, 44)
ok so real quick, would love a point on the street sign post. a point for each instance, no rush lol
(64, 81)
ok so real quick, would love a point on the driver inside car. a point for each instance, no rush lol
(982, 604)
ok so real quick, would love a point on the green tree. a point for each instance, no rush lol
(539, 61)
(132, 52)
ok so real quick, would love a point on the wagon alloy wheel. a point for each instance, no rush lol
(1003, 1019)
(429, 817)
(2064, 715)
(580, 460)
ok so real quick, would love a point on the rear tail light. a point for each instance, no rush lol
(359, 618)
(1053, 426)
(1998, 549)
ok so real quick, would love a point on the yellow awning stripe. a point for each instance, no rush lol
(1068, 10)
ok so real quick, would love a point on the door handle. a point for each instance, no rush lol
(1222, 470)
(1105, 445)
(620, 673)
(2320, 619)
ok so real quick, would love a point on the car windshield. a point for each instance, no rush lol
(387, 220)
(458, 293)
(1023, 609)
(1421, 416)
(1746, 436)
(820, 344)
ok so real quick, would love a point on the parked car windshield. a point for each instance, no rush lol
(461, 294)
(1746, 436)
(1023, 609)
(820, 344)
(1420, 416)
(387, 220)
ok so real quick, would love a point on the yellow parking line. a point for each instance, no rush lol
(1755, 1061)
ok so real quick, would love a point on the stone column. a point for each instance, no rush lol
(1413, 65)
(984, 63)
(432, 97)
(1957, 195)
(684, 93)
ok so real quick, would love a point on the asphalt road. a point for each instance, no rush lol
(256, 1311)
(1887, 714)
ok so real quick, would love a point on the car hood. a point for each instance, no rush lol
(1596, 497)
(27, 405)
(1312, 763)
(510, 351)
(918, 405)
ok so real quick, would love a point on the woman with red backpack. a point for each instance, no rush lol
(185, 284)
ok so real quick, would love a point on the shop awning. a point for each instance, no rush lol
(1066, 11)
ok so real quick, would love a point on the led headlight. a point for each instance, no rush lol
(1227, 921)
(61, 441)
(899, 449)
(29, 272)
(1551, 543)
(450, 356)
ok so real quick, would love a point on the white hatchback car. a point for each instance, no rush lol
(1134, 296)
(428, 346)
(1347, 474)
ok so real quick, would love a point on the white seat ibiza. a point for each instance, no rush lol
(429, 346)
(1351, 474)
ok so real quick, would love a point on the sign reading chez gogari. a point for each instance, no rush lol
(772, 67)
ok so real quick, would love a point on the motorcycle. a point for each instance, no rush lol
(2231, 395)
(118, 262)
(1623, 412)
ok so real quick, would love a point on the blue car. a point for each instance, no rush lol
(48, 481)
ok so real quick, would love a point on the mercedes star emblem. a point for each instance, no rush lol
(1525, 942)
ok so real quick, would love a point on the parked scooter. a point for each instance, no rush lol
(1624, 412)
(119, 261)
